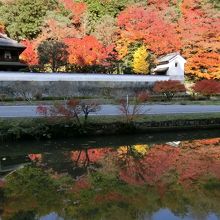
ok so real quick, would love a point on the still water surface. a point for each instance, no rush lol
(146, 177)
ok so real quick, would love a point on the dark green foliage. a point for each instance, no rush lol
(30, 181)
(212, 184)
(23, 18)
(216, 3)
(55, 128)
(61, 17)
(22, 215)
(52, 53)
(98, 9)
(34, 188)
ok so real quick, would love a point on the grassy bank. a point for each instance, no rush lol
(53, 128)
(112, 101)
(157, 118)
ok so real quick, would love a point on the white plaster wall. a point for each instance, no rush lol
(52, 77)
(179, 70)
(77, 85)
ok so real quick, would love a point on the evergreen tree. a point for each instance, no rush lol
(53, 54)
(23, 18)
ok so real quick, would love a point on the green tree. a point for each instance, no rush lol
(140, 62)
(98, 8)
(216, 3)
(31, 189)
(23, 18)
(52, 53)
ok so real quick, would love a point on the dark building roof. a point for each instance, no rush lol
(8, 42)
(166, 58)
(4, 63)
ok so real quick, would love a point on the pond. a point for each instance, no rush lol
(168, 176)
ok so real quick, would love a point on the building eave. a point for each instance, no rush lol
(160, 69)
(3, 63)
(10, 43)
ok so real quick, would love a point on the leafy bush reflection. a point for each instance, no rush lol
(127, 182)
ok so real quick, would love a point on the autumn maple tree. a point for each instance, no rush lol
(207, 87)
(169, 88)
(204, 65)
(78, 15)
(29, 55)
(86, 51)
(72, 108)
(104, 36)
(137, 23)
(198, 29)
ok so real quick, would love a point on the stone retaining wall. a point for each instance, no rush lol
(16, 84)
(154, 126)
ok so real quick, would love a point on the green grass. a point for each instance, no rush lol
(146, 118)
(51, 102)
(115, 102)
(201, 102)
(139, 118)
(51, 128)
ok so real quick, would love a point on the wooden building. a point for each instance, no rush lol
(10, 51)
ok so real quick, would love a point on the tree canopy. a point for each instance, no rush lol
(23, 18)
(111, 31)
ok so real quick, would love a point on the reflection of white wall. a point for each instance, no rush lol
(51, 216)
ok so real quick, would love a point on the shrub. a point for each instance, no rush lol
(38, 96)
(169, 88)
(207, 88)
(131, 110)
(3, 97)
(72, 108)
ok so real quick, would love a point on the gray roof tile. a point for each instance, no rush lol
(7, 42)
(167, 57)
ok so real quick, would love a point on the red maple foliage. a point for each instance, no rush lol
(152, 167)
(78, 10)
(2, 28)
(29, 55)
(164, 26)
(169, 88)
(198, 29)
(147, 25)
(188, 163)
(35, 157)
(86, 51)
(207, 87)
(204, 65)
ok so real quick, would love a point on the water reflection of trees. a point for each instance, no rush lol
(120, 183)
(31, 190)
